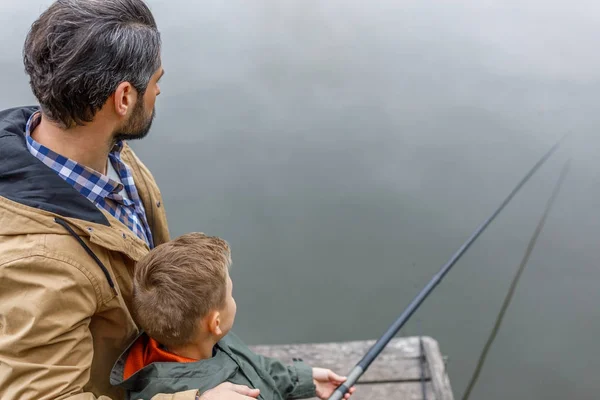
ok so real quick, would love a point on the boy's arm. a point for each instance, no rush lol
(293, 381)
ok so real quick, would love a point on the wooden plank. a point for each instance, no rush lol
(398, 362)
(437, 368)
(389, 391)
(395, 374)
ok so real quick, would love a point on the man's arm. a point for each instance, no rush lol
(225, 391)
(46, 346)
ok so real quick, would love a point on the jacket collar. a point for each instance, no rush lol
(217, 369)
(26, 180)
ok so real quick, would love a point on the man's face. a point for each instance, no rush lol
(139, 123)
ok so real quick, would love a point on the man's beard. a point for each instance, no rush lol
(137, 126)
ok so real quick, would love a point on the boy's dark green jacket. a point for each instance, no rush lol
(232, 362)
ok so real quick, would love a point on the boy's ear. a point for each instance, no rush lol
(214, 323)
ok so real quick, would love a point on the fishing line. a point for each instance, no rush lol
(515, 281)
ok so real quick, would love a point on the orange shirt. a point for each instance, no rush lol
(146, 351)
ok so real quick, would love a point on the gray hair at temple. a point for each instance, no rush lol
(78, 51)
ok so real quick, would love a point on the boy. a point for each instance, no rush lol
(182, 299)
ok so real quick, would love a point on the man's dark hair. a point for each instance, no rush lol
(78, 51)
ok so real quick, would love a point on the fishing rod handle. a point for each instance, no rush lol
(341, 390)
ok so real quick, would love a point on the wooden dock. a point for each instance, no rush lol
(403, 371)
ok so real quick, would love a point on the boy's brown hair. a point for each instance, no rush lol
(179, 282)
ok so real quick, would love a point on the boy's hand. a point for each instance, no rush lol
(327, 381)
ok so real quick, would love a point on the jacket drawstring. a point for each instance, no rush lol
(65, 225)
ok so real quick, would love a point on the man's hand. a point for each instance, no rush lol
(229, 391)
(327, 381)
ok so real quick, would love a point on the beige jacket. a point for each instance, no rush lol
(62, 325)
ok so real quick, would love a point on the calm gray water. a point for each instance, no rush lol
(347, 148)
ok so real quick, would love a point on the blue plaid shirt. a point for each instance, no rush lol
(96, 187)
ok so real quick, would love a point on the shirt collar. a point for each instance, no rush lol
(57, 162)
(117, 148)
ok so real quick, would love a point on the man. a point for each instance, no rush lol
(77, 207)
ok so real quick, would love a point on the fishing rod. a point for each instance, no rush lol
(376, 349)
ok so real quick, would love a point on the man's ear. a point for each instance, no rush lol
(214, 323)
(124, 99)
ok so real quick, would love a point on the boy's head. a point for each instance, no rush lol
(182, 292)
